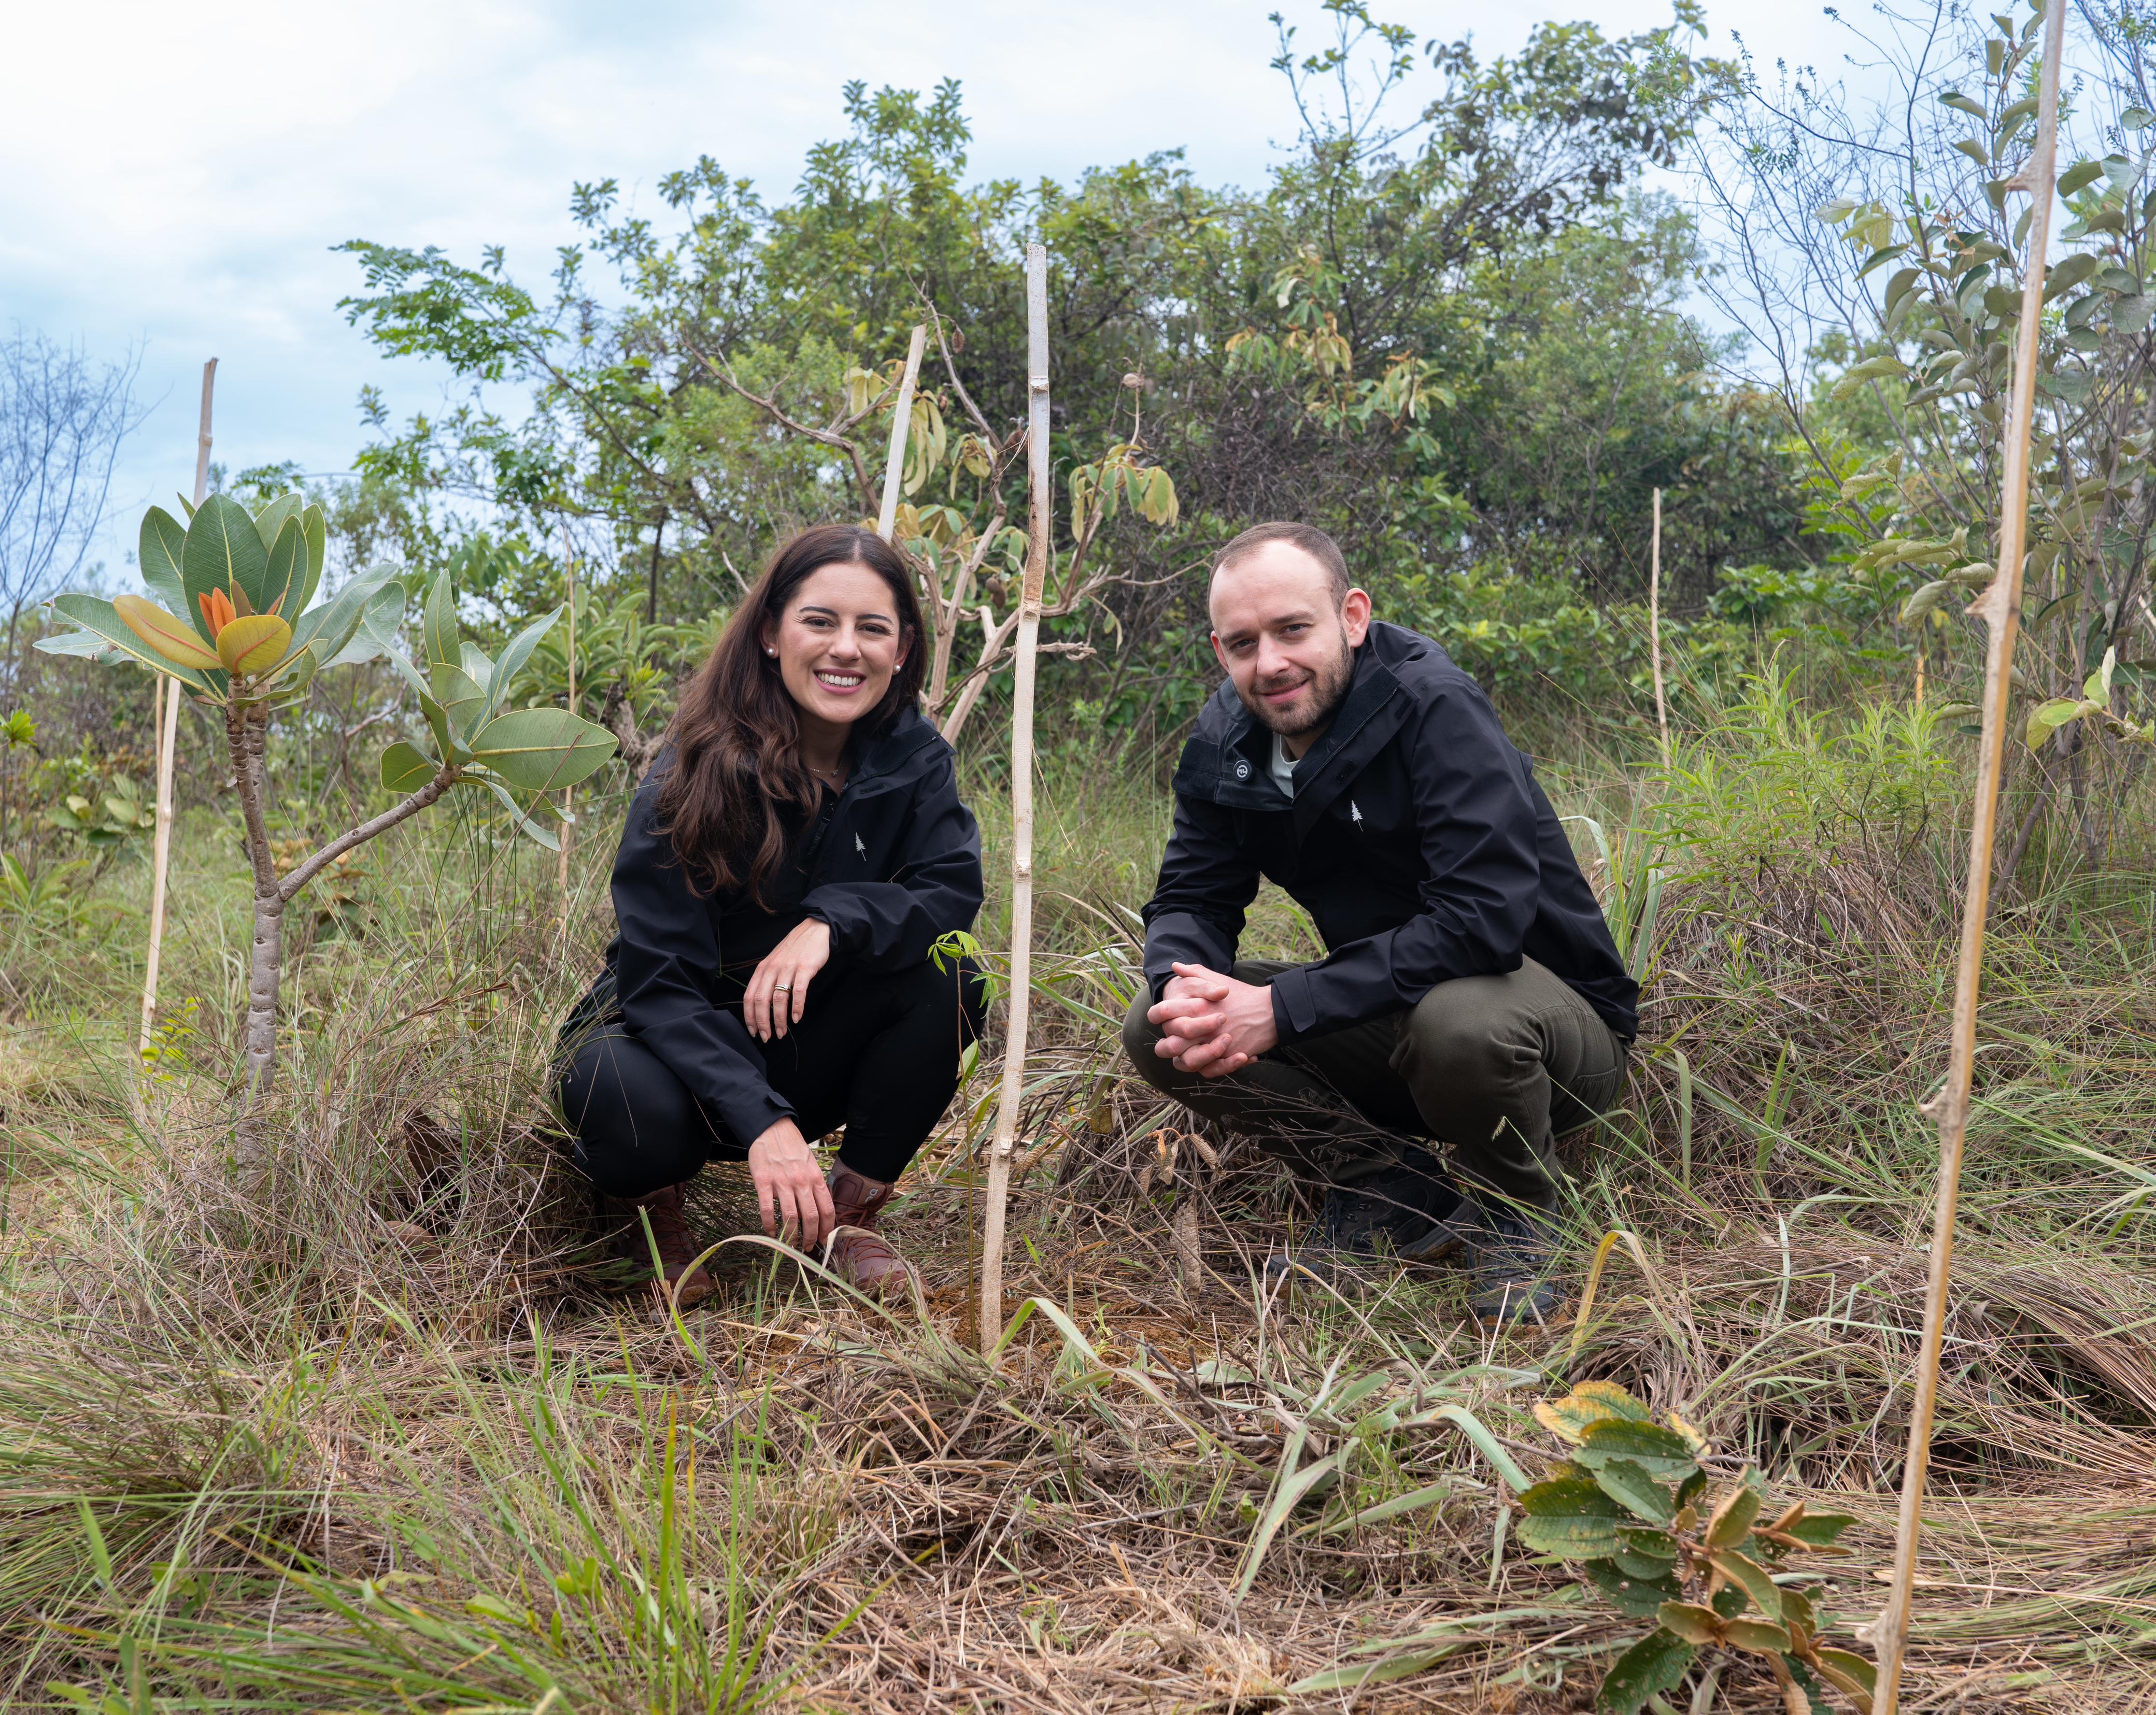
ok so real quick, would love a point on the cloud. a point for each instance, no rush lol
(194, 166)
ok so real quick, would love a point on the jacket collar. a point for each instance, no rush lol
(1375, 708)
(886, 757)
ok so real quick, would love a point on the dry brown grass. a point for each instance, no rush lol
(310, 1432)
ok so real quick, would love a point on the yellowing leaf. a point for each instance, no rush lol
(1731, 1519)
(253, 643)
(1590, 1402)
(1692, 1622)
(1751, 1577)
(1851, 1675)
(1759, 1636)
(170, 637)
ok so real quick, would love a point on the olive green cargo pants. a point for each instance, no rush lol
(1497, 1068)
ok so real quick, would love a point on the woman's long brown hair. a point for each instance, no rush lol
(737, 738)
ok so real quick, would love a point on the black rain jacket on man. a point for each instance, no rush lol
(1417, 839)
(892, 864)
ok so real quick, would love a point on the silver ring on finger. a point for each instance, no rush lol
(782, 988)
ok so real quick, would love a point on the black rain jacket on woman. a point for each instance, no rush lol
(1418, 840)
(891, 863)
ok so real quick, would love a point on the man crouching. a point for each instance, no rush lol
(1472, 993)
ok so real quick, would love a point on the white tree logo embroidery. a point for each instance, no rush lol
(860, 848)
(1354, 813)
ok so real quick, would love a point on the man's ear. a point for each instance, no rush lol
(1219, 654)
(1355, 616)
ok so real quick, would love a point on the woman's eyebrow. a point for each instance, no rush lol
(807, 607)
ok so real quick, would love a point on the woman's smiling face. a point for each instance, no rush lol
(837, 643)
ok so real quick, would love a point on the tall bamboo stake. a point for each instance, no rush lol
(568, 793)
(1654, 629)
(2000, 607)
(1021, 928)
(894, 470)
(168, 725)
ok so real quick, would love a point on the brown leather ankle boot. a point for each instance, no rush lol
(677, 1245)
(860, 1254)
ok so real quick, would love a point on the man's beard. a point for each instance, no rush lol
(1328, 690)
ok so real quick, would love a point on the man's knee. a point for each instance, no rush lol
(1463, 1036)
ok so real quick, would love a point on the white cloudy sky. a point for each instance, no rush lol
(178, 174)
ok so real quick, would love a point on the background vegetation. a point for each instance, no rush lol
(389, 1435)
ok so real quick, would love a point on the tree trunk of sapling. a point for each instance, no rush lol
(246, 726)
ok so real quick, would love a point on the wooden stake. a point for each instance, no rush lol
(167, 727)
(1654, 629)
(894, 468)
(568, 793)
(1021, 788)
(2000, 607)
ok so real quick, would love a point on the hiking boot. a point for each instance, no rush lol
(858, 1254)
(666, 1209)
(1410, 1211)
(1512, 1253)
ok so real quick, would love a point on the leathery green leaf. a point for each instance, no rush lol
(158, 554)
(406, 768)
(1662, 1452)
(1654, 1665)
(224, 551)
(1640, 1595)
(1627, 1483)
(543, 749)
(1749, 1576)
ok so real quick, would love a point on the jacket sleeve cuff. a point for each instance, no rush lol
(749, 1113)
(845, 926)
(1294, 1009)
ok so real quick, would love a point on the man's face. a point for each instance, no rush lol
(1288, 647)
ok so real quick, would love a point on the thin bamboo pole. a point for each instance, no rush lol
(168, 725)
(1654, 629)
(1021, 788)
(894, 468)
(2000, 607)
(568, 793)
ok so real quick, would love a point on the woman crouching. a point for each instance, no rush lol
(797, 849)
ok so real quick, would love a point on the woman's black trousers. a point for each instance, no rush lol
(875, 1052)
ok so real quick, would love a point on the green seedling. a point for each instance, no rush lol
(1632, 1503)
(234, 620)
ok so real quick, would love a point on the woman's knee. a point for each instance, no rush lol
(952, 988)
(637, 1127)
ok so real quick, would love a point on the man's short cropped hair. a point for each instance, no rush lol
(1311, 540)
